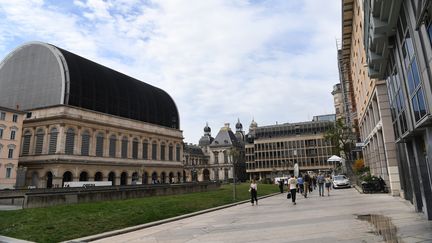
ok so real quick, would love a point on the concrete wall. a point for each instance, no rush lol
(47, 198)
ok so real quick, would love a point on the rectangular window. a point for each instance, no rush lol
(99, 146)
(162, 152)
(170, 153)
(1, 133)
(135, 149)
(154, 151)
(8, 172)
(124, 149)
(12, 135)
(10, 153)
(2, 116)
(145, 151)
(178, 153)
(14, 117)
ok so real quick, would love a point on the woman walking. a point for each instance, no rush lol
(328, 183)
(253, 190)
(292, 183)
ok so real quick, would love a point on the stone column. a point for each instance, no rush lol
(45, 140)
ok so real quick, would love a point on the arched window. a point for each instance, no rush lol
(49, 177)
(98, 176)
(40, 134)
(99, 144)
(70, 141)
(206, 175)
(123, 179)
(124, 148)
(26, 143)
(67, 176)
(154, 178)
(135, 148)
(170, 152)
(178, 152)
(83, 176)
(154, 151)
(85, 143)
(53, 141)
(162, 151)
(145, 150)
(112, 146)
(111, 177)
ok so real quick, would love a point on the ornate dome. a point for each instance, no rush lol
(253, 124)
(239, 126)
(207, 129)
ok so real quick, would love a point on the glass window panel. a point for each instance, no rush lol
(403, 122)
(415, 108)
(421, 103)
(410, 81)
(415, 73)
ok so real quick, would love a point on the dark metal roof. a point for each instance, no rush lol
(49, 75)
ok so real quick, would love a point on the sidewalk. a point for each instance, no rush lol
(345, 216)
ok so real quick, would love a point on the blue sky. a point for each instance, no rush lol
(274, 61)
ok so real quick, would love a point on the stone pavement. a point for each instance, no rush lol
(345, 216)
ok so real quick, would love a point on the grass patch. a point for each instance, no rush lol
(60, 223)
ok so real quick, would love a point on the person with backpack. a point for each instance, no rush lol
(320, 181)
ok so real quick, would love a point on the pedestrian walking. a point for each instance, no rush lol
(300, 183)
(281, 185)
(306, 184)
(328, 183)
(253, 188)
(320, 181)
(292, 183)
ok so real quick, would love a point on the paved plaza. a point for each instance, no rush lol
(343, 217)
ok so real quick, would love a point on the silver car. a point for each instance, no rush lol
(341, 181)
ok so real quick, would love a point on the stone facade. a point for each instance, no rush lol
(10, 142)
(64, 143)
(398, 45)
(372, 103)
(220, 158)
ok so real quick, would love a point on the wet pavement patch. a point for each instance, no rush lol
(383, 226)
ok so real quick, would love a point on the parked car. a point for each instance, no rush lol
(341, 181)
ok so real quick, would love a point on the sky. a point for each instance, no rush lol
(273, 61)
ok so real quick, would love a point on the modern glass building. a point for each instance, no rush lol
(398, 43)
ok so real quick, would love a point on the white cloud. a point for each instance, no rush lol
(219, 60)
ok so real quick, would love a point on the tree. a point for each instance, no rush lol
(342, 138)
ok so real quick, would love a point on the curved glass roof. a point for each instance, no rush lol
(38, 75)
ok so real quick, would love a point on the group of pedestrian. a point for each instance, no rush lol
(303, 184)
